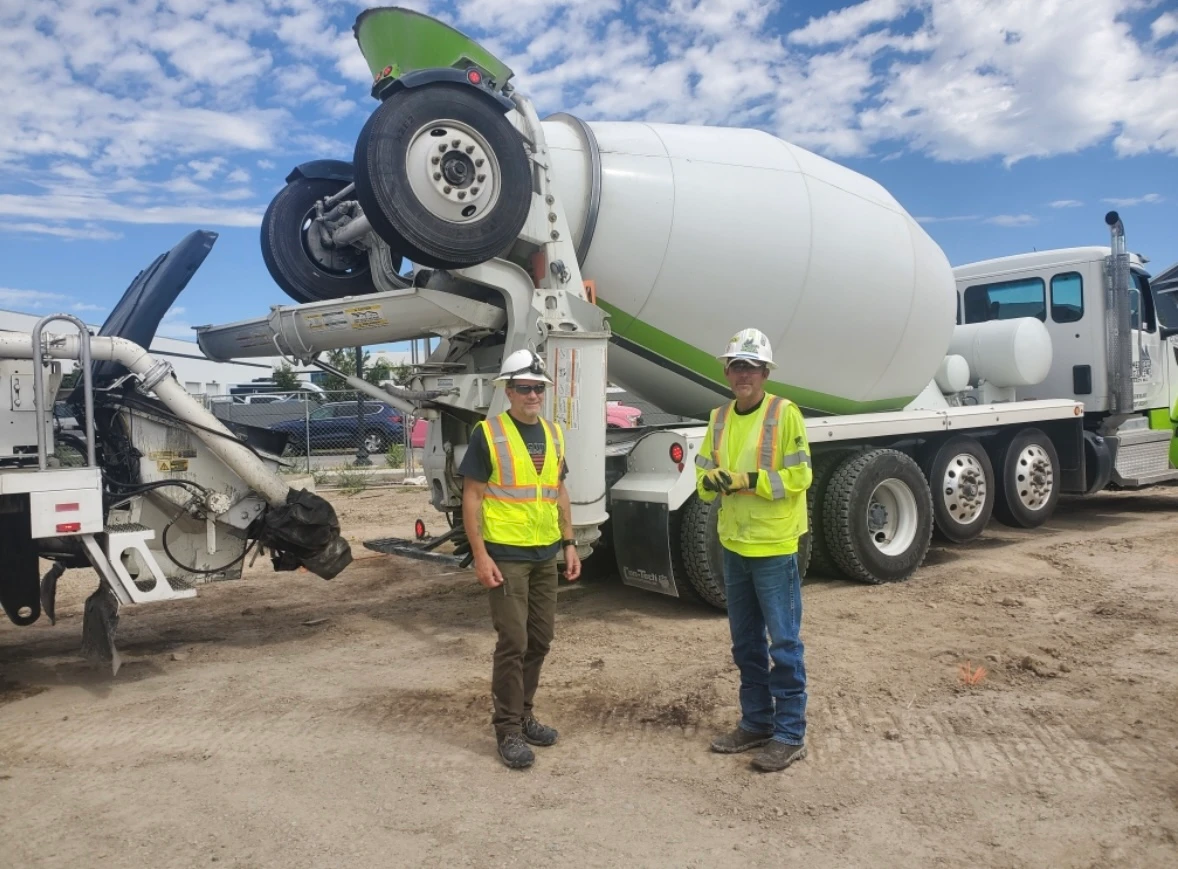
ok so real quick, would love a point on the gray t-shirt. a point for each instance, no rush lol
(476, 464)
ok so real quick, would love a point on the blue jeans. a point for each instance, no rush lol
(765, 596)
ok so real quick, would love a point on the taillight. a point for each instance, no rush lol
(676, 453)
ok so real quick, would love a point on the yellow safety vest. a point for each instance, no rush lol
(519, 507)
(769, 523)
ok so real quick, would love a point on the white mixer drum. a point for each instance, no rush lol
(699, 232)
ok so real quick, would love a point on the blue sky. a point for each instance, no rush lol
(1003, 125)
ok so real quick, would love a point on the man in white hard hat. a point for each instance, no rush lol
(755, 457)
(516, 513)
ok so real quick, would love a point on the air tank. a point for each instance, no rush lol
(692, 233)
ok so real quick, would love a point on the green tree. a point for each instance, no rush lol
(345, 360)
(285, 378)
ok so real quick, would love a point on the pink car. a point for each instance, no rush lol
(617, 415)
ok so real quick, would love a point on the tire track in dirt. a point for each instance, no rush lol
(846, 739)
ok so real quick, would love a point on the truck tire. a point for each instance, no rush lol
(961, 480)
(878, 516)
(819, 561)
(703, 557)
(687, 592)
(293, 251)
(442, 176)
(1027, 479)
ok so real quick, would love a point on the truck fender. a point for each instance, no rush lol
(448, 75)
(1098, 463)
(331, 170)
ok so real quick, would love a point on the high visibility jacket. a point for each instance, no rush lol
(519, 507)
(769, 519)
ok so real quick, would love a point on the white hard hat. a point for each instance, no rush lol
(749, 344)
(522, 365)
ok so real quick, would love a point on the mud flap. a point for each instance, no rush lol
(99, 622)
(20, 590)
(642, 544)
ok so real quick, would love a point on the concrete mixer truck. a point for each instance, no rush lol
(629, 252)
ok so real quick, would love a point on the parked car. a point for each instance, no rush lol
(335, 426)
(64, 419)
(617, 415)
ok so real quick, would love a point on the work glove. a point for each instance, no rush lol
(715, 480)
(719, 480)
(736, 480)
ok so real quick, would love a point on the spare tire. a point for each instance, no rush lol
(298, 261)
(442, 176)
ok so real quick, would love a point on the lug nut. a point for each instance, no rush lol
(445, 189)
(456, 143)
(437, 176)
(442, 147)
(436, 160)
(461, 194)
(482, 178)
(479, 162)
(470, 149)
(474, 191)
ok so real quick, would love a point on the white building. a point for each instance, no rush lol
(201, 375)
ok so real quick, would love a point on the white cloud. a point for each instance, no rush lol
(146, 111)
(1012, 220)
(955, 219)
(1163, 26)
(29, 298)
(86, 306)
(173, 325)
(1147, 199)
(69, 233)
(1066, 203)
(847, 24)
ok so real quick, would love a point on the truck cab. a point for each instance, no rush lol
(1067, 291)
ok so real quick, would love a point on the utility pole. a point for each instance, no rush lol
(361, 451)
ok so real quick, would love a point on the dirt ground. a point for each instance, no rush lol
(284, 721)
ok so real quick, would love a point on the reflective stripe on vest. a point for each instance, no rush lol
(767, 447)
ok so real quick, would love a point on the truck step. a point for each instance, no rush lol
(1143, 457)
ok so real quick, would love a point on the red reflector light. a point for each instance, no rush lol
(676, 453)
(68, 527)
(474, 76)
(66, 508)
(419, 529)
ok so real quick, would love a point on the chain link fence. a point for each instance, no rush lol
(339, 438)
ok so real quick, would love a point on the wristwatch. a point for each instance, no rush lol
(564, 544)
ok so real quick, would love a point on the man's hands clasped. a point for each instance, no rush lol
(727, 482)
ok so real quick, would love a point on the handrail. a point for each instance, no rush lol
(39, 388)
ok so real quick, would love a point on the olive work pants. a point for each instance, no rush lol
(523, 611)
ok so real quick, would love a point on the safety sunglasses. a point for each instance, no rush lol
(741, 365)
(537, 388)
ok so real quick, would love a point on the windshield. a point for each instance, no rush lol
(1165, 300)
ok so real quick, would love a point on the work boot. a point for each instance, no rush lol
(514, 752)
(777, 756)
(537, 733)
(739, 740)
